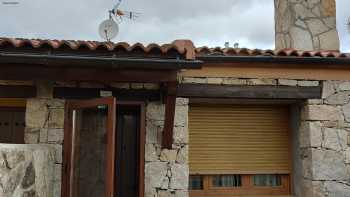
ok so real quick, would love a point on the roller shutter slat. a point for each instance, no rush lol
(231, 138)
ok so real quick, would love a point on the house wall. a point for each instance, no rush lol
(320, 133)
(166, 171)
(325, 142)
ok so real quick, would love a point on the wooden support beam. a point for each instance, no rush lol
(17, 91)
(170, 105)
(33, 72)
(248, 92)
(121, 94)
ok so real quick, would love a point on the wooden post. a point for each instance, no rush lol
(170, 105)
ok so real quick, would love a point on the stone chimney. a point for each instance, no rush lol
(306, 25)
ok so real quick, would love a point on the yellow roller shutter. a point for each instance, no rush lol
(238, 139)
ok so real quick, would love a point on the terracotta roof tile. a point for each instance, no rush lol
(186, 50)
(205, 51)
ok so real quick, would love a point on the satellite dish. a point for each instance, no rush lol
(108, 29)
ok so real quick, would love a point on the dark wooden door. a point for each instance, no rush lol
(89, 148)
(128, 143)
(12, 125)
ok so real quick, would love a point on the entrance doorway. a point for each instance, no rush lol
(103, 149)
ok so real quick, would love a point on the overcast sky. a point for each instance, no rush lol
(206, 22)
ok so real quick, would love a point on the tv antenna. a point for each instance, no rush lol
(109, 28)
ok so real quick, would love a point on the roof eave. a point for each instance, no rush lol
(276, 59)
(99, 62)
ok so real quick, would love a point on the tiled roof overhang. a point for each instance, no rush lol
(174, 56)
(288, 56)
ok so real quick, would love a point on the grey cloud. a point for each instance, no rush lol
(206, 22)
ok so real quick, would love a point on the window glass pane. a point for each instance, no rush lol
(196, 183)
(267, 180)
(227, 181)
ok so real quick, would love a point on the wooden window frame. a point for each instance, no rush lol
(247, 187)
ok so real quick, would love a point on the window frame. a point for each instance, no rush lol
(247, 188)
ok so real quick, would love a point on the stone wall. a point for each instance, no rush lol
(321, 134)
(166, 171)
(325, 142)
(306, 24)
(45, 125)
(26, 170)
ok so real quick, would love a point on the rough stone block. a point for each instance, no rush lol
(120, 85)
(155, 172)
(212, 80)
(314, 101)
(347, 156)
(58, 153)
(180, 135)
(346, 109)
(180, 177)
(322, 112)
(310, 134)
(151, 86)
(195, 80)
(329, 165)
(153, 132)
(151, 153)
(56, 118)
(335, 139)
(328, 89)
(182, 156)
(182, 101)
(31, 138)
(308, 83)
(341, 98)
(155, 111)
(329, 40)
(17, 83)
(163, 193)
(137, 86)
(36, 113)
(168, 155)
(55, 136)
(336, 189)
(287, 82)
(234, 81)
(262, 82)
(181, 116)
(345, 86)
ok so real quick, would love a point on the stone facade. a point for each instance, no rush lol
(322, 131)
(166, 171)
(306, 25)
(324, 142)
(27, 170)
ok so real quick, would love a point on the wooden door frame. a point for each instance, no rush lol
(142, 142)
(67, 147)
